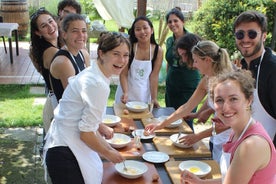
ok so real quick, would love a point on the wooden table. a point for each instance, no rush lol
(168, 131)
(6, 29)
(174, 171)
(198, 150)
(111, 176)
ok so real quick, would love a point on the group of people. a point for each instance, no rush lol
(241, 100)
(77, 92)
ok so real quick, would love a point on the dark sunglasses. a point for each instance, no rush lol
(38, 12)
(252, 34)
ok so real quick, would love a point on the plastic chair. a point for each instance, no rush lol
(1, 20)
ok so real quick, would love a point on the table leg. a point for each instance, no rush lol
(10, 47)
(16, 41)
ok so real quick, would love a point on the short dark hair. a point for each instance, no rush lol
(73, 3)
(177, 12)
(70, 18)
(251, 16)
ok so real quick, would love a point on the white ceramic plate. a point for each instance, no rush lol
(173, 138)
(173, 124)
(119, 140)
(199, 168)
(156, 157)
(136, 106)
(140, 132)
(111, 120)
(135, 169)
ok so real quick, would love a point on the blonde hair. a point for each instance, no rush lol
(221, 61)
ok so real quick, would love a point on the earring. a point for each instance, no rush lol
(248, 108)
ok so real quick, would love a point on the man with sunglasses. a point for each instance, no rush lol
(250, 29)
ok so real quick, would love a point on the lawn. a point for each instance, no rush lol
(18, 107)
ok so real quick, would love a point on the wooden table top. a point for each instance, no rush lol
(168, 131)
(111, 176)
(198, 150)
(174, 171)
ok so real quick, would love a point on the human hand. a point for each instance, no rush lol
(190, 116)
(155, 103)
(187, 177)
(219, 123)
(124, 98)
(106, 131)
(150, 128)
(189, 139)
(114, 156)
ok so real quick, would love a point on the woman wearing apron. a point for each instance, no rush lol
(73, 143)
(139, 81)
(232, 94)
(210, 60)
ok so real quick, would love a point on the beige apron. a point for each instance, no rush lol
(259, 113)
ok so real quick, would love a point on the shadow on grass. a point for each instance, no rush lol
(18, 163)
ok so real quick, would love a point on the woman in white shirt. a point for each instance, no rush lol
(73, 143)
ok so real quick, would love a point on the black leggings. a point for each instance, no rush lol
(63, 166)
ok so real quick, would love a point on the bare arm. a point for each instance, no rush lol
(247, 160)
(48, 56)
(183, 110)
(124, 84)
(154, 76)
(62, 68)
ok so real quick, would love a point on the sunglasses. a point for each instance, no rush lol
(199, 49)
(252, 34)
(37, 13)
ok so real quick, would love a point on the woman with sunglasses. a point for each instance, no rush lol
(44, 45)
(181, 80)
(74, 145)
(249, 156)
(210, 60)
(250, 30)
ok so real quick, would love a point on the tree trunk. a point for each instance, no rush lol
(141, 7)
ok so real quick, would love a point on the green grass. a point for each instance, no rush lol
(18, 108)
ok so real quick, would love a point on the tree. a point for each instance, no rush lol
(214, 20)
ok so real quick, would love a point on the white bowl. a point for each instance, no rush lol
(173, 138)
(136, 106)
(140, 133)
(199, 168)
(111, 120)
(119, 140)
(135, 169)
(173, 124)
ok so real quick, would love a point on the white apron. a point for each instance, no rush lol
(138, 81)
(225, 156)
(259, 113)
(89, 161)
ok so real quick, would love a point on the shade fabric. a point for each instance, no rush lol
(121, 11)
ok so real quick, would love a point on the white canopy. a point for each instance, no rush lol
(119, 10)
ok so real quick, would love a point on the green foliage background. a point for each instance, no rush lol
(214, 20)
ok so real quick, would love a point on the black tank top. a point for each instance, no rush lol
(78, 64)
